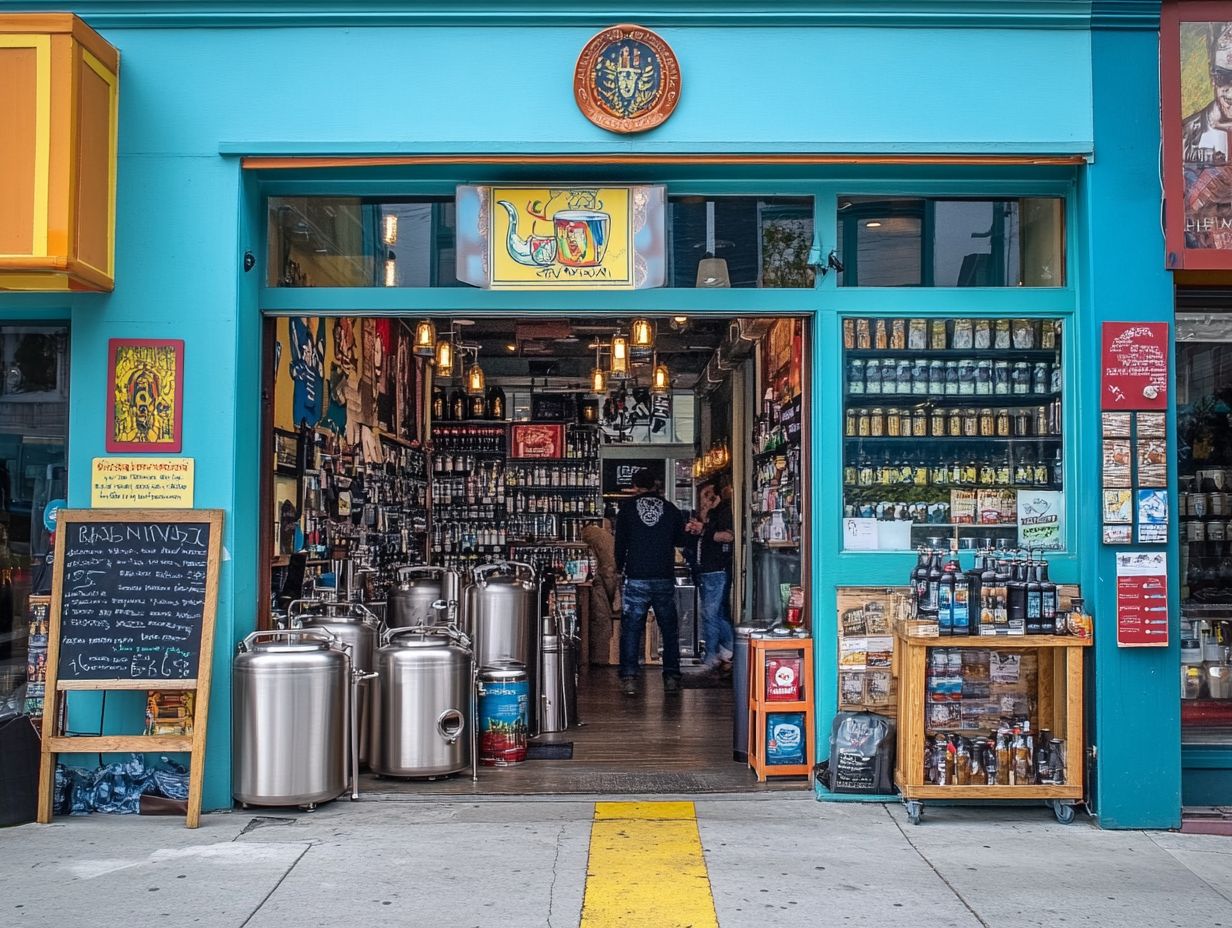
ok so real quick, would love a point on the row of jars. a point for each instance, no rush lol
(960, 377)
(1206, 530)
(943, 334)
(1201, 505)
(969, 422)
(991, 473)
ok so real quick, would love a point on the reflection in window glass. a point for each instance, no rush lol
(918, 242)
(33, 429)
(740, 242)
(353, 242)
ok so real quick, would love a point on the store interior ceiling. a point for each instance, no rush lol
(560, 352)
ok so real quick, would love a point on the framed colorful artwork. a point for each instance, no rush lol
(145, 395)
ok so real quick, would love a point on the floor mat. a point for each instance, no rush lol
(557, 750)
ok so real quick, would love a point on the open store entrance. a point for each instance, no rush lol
(402, 444)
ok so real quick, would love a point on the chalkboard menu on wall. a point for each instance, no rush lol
(134, 595)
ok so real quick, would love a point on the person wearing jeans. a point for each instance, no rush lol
(714, 560)
(649, 529)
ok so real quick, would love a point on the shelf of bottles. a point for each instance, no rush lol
(372, 512)
(946, 421)
(775, 501)
(1205, 502)
(552, 500)
(469, 499)
(568, 563)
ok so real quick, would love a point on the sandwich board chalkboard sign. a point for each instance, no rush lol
(134, 596)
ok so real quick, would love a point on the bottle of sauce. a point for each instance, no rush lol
(1048, 604)
(1034, 597)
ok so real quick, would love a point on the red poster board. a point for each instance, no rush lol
(537, 441)
(1195, 43)
(1142, 600)
(1135, 365)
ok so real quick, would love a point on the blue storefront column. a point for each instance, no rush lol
(1135, 700)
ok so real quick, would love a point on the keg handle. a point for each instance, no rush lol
(450, 724)
(349, 609)
(318, 634)
(407, 571)
(481, 571)
(453, 633)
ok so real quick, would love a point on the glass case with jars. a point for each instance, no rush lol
(952, 432)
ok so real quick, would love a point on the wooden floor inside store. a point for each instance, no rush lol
(650, 743)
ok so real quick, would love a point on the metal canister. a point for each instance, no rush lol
(423, 703)
(502, 615)
(504, 713)
(410, 603)
(356, 627)
(559, 699)
(740, 691)
(278, 680)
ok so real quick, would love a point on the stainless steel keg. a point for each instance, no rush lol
(740, 691)
(356, 626)
(411, 602)
(502, 617)
(423, 703)
(291, 707)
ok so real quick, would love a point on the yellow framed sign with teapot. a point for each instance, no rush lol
(569, 237)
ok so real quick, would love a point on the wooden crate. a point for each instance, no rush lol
(760, 651)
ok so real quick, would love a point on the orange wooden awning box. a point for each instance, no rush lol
(58, 160)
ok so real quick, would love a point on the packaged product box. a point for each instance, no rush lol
(963, 506)
(784, 738)
(784, 678)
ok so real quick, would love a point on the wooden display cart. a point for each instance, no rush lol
(1058, 708)
(760, 708)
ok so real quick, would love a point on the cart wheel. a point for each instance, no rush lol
(915, 811)
(310, 807)
(1063, 811)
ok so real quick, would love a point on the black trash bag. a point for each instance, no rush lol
(117, 787)
(169, 780)
(861, 753)
(74, 794)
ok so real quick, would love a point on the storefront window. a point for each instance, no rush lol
(33, 429)
(918, 242)
(353, 242)
(952, 433)
(1204, 473)
(740, 242)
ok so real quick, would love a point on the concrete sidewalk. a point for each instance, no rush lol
(782, 861)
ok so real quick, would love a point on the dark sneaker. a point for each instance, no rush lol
(671, 685)
(628, 686)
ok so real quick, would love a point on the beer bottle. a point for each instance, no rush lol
(988, 595)
(440, 406)
(960, 609)
(1048, 604)
(945, 600)
(1016, 597)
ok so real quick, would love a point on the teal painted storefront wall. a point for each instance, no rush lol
(999, 78)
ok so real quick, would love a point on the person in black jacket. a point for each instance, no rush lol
(649, 529)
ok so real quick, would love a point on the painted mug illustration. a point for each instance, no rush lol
(581, 236)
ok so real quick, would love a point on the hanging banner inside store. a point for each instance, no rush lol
(618, 472)
(1142, 599)
(142, 483)
(561, 238)
(1135, 366)
(627, 79)
(145, 390)
(1196, 75)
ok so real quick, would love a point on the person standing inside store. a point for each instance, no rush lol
(649, 529)
(716, 538)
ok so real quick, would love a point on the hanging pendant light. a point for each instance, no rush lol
(475, 381)
(389, 229)
(660, 379)
(598, 381)
(642, 334)
(425, 339)
(391, 270)
(444, 358)
(620, 356)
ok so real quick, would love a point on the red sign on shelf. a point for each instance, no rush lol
(1135, 372)
(537, 441)
(1142, 599)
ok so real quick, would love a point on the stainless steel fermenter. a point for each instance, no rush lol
(291, 696)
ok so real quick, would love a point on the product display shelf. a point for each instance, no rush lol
(762, 650)
(1059, 703)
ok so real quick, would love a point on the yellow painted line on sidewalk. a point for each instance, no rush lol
(646, 868)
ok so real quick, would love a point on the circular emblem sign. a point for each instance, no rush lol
(627, 79)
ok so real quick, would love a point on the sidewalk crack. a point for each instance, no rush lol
(950, 886)
(1200, 878)
(274, 888)
(560, 836)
